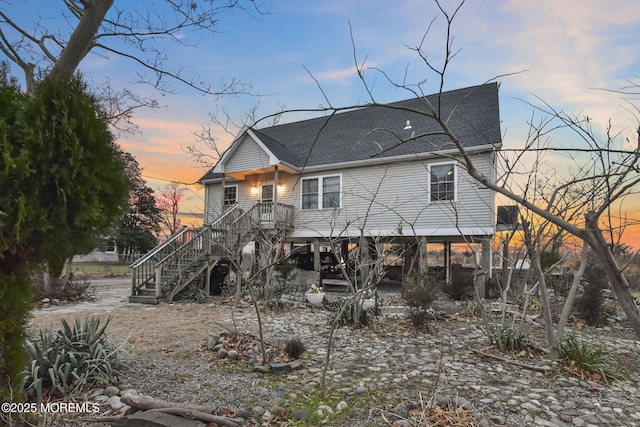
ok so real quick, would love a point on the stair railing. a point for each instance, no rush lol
(143, 270)
(171, 263)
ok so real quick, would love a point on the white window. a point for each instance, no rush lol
(322, 192)
(230, 195)
(310, 193)
(442, 182)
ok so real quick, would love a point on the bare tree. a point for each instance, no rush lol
(168, 201)
(208, 148)
(607, 168)
(131, 30)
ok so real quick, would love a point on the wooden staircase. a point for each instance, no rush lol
(175, 263)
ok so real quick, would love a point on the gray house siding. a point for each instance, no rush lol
(381, 199)
(247, 196)
(378, 199)
(248, 155)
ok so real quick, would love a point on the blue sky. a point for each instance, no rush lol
(561, 51)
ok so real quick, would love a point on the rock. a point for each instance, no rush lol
(463, 403)
(296, 364)
(267, 416)
(55, 301)
(401, 410)
(402, 423)
(278, 410)
(222, 353)
(211, 342)
(155, 419)
(361, 390)
(244, 413)
(111, 391)
(325, 409)
(261, 369)
(280, 368)
(232, 354)
(45, 301)
(300, 414)
(342, 406)
(115, 403)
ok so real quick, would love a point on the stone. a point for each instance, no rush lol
(325, 409)
(212, 341)
(300, 414)
(278, 410)
(342, 406)
(111, 391)
(115, 403)
(401, 410)
(222, 353)
(296, 364)
(280, 368)
(232, 354)
(261, 369)
(155, 419)
(361, 390)
(101, 398)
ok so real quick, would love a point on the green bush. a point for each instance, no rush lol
(354, 314)
(294, 348)
(75, 356)
(193, 292)
(74, 289)
(276, 305)
(590, 360)
(461, 285)
(511, 341)
(419, 292)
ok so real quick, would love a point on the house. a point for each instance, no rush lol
(374, 172)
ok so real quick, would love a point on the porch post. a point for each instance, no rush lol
(344, 253)
(222, 194)
(423, 260)
(487, 266)
(275, 186)
(447, 261)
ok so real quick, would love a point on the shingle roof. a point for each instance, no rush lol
(363, 133)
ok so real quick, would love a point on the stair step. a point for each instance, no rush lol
(145, 299)
(147, 292)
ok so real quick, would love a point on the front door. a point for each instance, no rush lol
(266, 197)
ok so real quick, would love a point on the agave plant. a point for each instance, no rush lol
(76, 355)
(589, 359)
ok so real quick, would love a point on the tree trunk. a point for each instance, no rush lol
(82, 39)
(566, 310)
(618, 282)
(194, 412)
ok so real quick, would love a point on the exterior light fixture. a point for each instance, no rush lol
(408, 126)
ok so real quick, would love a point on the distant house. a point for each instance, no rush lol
(371, 171)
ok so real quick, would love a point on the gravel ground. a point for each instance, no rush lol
(373, 369)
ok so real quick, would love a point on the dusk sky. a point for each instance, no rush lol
(562, 52)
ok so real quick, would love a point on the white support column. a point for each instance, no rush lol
(222, 194)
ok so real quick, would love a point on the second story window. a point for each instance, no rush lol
(322, 193)
(310, 193)
(442, 182)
